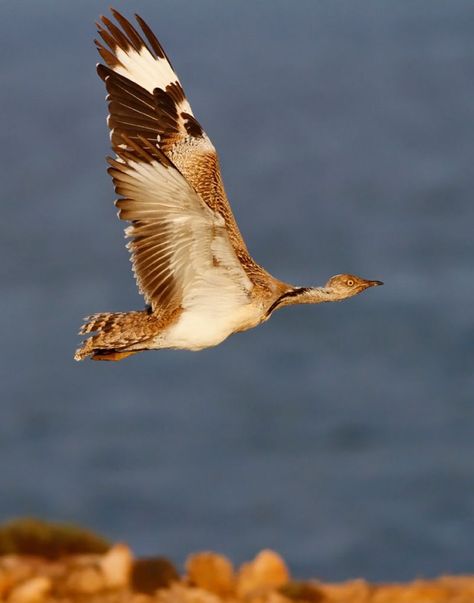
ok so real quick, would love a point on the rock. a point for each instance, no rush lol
(353, 591)
(148, 575)
(116, 566)
(302, 591)
(32, 591)
(416, 592)
(179, 593)
(86, 580)
(7, 581)
(266, 571)
(212, 572)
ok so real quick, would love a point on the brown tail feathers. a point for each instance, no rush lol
(117, 335)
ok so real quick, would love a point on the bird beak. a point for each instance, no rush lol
(374, 283)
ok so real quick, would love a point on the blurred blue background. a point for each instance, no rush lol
(342, 435)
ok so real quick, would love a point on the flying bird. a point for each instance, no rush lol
(190, 261)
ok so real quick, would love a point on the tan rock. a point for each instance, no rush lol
(212, 572)
(355, 591)
(15, 569)
(179, 593)
(32, 591)
(270, 596)
(116, 566)
(461, 584)
(136, 598)
(85, 580)
(6, 582)
(416, 592)
(266, 571)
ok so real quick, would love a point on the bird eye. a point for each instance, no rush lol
(349, 282)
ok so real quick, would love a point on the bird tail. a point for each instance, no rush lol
(116, 335)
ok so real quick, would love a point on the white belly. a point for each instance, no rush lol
(206, 327)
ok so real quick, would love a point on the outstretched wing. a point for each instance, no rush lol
(180, 249)
(146, 100)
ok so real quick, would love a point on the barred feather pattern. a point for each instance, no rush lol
(116, 331)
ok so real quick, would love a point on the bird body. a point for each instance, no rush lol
(189, 258)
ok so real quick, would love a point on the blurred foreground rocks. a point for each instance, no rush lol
(50, 565)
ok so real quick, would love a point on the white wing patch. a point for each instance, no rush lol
(148, 72)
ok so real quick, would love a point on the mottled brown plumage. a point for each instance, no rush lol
(189, 258)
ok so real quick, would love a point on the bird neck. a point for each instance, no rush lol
(311, 295)
(306, 295)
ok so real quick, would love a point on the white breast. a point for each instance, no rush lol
(195, 330)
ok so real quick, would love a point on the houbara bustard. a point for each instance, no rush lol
(190, 261)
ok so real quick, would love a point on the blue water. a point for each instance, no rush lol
(340, 435)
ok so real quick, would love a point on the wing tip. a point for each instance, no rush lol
(126, 37)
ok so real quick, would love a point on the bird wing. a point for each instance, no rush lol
(146, 100)
(181, 253)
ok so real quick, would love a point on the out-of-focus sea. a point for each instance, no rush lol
(340, 435)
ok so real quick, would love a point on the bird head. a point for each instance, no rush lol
(348, 285)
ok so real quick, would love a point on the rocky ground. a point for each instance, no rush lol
(51, 567)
